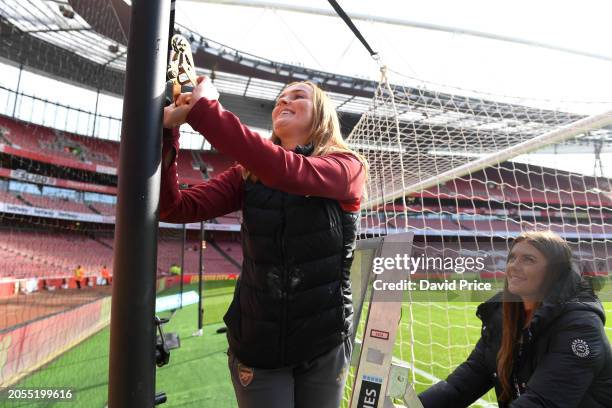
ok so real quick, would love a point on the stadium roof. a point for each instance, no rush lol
(78, 40)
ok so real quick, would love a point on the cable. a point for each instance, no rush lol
(171, 27)
(354, 29)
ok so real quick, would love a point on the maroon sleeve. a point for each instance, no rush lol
(204, 201)
(339, 176)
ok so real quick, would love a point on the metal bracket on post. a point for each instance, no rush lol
(399, 387)
(377, 379)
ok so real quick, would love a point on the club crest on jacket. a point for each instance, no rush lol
(580, 348)
(245, 374)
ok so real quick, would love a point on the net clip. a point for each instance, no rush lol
(181, 69)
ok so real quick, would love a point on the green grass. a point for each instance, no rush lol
(437, 326)
(435, 329)
(197, 375)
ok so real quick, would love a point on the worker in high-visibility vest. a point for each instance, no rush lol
(78, 275)
(175, 269)
(106, 275)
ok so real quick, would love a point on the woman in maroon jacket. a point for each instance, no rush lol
(290, 321)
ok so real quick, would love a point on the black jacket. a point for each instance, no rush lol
(565, 360)
(292, 301)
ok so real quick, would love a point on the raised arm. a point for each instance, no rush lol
(210, 199)
(468, 382)
(338, 176)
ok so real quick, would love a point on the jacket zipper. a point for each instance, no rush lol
(517, 363)
(284, 288)
(526, 341)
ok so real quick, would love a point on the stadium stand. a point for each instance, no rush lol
(55, 203)
(9, 198)
(49, 254)
(103, 208)
(512, 183)
(216, 163)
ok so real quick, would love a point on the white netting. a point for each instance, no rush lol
(462, 173)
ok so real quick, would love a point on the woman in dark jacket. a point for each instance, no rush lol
(543, 342)
(289, 323)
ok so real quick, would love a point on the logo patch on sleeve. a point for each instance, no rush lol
(580, 348)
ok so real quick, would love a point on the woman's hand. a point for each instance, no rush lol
(176, 114)
(205, 89)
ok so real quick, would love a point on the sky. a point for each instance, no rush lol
(456, 60)
(453, 62)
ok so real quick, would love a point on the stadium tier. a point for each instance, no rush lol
(518, 183)
(231, 218)
(52, 143)
(223, 256)
(491, 225)
(216, 163)
(188, 169)
(510, 184)
(9, 198)
(55, 203)
(50, 254)
(215, 262)
(37, 138)
(103, 208)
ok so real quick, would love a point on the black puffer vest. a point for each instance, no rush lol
(292, 301)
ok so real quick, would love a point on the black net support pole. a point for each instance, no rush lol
(182, 274)
(201, 277)
(171, 26)
(132, 335)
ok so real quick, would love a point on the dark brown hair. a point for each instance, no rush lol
(559, 263)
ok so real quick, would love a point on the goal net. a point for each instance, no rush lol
(467, 172)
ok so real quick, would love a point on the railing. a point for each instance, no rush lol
(53, 114)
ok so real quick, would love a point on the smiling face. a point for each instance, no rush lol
(292, 115)
(526, 269)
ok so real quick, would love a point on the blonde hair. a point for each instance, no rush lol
(325, 134)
